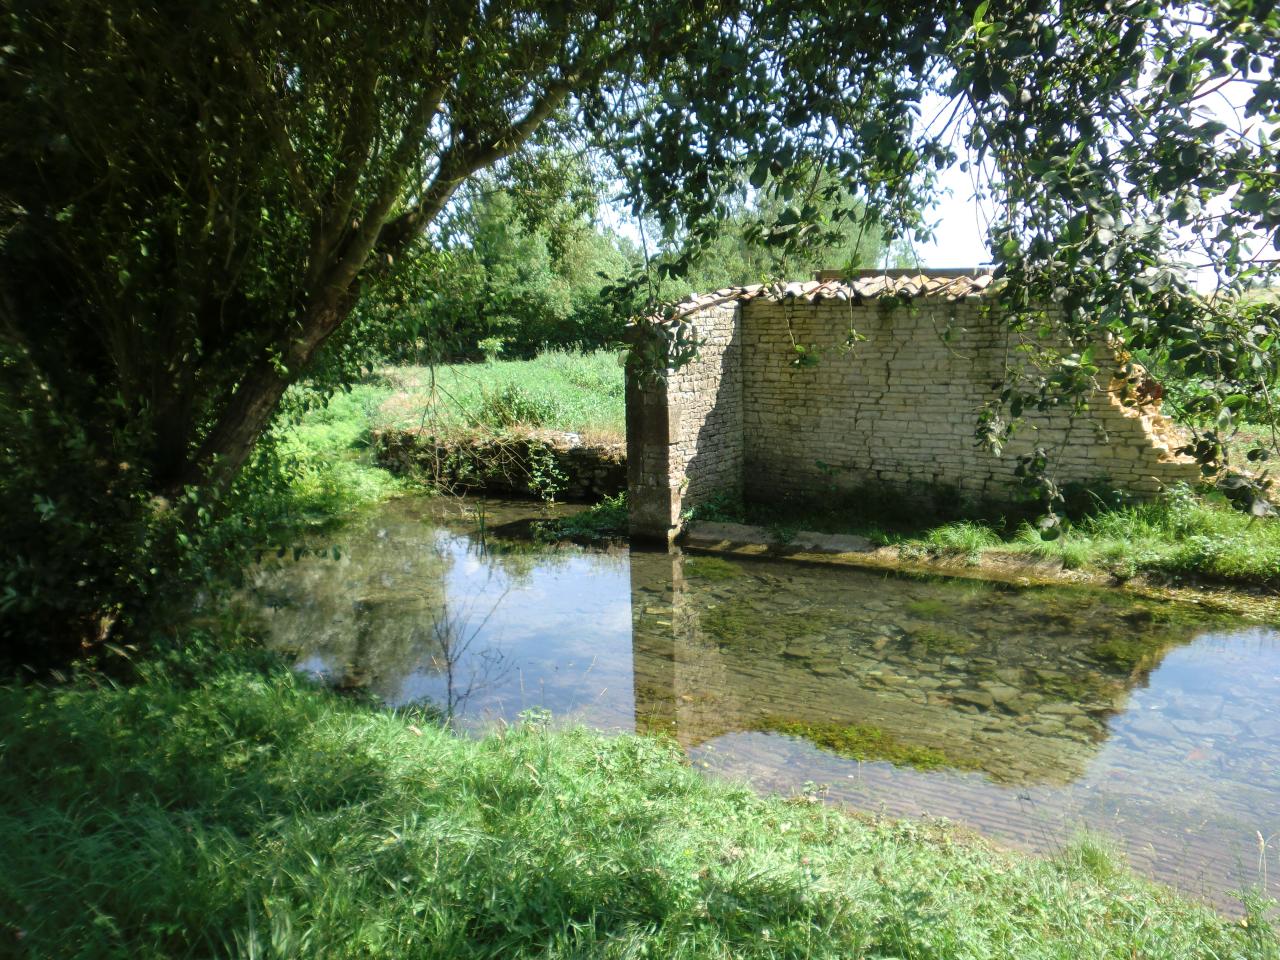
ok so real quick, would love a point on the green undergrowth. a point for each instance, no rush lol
(606, 520)
(1183, 535)
(230, 809)
(328, 463)
(865, 742)
(558, 390)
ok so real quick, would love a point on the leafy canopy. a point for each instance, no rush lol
(196, 198)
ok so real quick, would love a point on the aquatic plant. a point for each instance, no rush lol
(865, 742)
(704, 567)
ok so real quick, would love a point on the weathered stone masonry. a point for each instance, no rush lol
(897, 409)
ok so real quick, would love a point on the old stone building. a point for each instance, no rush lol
(836, 385)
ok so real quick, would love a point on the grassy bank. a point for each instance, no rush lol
(326, 451)
(1182, 535)
(327, 460)
(245, 813)
(559, 390)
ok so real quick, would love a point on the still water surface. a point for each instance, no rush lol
(1027, 714)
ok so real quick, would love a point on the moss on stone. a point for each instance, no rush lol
(711, 568)
(865, 742)
(929, 608)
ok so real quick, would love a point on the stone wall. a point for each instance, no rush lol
(684, 434)
(547, 464)
(895, 407)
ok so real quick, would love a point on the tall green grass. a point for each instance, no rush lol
(1180, 535)
(219, 809)
(324, 464)
(558, 390)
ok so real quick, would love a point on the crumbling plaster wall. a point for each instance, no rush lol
(896, 409)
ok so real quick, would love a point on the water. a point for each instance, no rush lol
(1027, 714)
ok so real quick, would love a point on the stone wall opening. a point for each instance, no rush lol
(818, 388)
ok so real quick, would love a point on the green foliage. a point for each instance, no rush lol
(963, 536)
(512, 405)
(521, 281)
(1123, 186)
(325, 464)
(237, 811)
(559, 390)
(756, 241)
(606, 520)
(1180, 535)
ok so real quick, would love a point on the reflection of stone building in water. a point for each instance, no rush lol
(920, 682)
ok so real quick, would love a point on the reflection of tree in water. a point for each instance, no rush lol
(359, 619)
(383, 610)
(451, 634)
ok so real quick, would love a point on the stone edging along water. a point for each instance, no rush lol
(541, 463)
(1017, 569)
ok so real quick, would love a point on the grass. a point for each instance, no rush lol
(1183, 535)
(327, 464)
(228, 808)
(328, 461)
(559, 390)
(1180, 536)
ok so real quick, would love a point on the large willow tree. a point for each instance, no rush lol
(195, 197)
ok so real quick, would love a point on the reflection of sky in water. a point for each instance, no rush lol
(1174, 753)
(530, 641)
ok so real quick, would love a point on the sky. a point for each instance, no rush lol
(960, 235)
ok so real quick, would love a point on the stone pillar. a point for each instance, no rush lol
(684, 429)
(652, 504)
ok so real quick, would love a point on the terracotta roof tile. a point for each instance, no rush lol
(868, 285)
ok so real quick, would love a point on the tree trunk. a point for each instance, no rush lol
(248, 413)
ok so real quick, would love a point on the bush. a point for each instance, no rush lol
(512, 405)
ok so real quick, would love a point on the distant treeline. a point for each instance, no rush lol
(512, 277)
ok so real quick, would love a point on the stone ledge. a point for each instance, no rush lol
(508, 464)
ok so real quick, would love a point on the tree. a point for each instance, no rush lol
(527, 269)
(196, 197)
(751, 243)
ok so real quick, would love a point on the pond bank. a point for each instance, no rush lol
(550, 464)
(280, 818)
(1014, 567)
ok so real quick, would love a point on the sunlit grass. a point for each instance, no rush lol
(558, 390)
(1182, 534)
(222, 809)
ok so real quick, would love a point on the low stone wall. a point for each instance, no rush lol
(827, 388)
(542, 464)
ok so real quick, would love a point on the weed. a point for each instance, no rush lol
(704, 567)
(606, 520)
